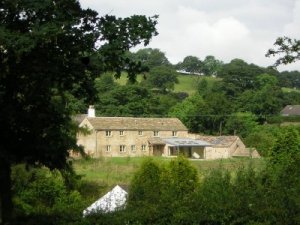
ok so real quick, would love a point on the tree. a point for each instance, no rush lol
(241, 124)
(264, 100)
(46, 47)
(162, 77)
(239, 76)
(211, 66)
(190, 111)
(128, 100)
(151, 57)
(290, 48)
(191, 64)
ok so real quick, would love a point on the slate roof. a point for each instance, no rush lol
(185, 142)
(291, 110)
(133, 123)
(156, 141)
(79, 118)
(218, 141)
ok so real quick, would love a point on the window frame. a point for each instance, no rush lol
(108, 133)
(156, 133)
(133, 148)
(122, 148)
(108, 148)
(143, 147)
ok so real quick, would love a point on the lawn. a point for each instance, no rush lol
(120, 170)
(100, 175)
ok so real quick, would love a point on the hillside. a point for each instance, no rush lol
(186, 83)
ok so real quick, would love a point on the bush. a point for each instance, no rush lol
(41, 193)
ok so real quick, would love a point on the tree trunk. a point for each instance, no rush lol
(5, 192)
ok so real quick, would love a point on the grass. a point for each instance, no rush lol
(186, 83)
(285, 90)
(120, 170)
(100, 175)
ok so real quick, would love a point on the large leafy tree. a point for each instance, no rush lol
(150, 57)
(211, 65)
(47, 47)
(239, 76)
(162, 77)
(191, 64)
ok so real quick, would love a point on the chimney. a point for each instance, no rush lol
(91, 111)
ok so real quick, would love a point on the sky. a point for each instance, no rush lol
(226, 29)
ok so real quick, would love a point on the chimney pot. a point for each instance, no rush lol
(91, 111)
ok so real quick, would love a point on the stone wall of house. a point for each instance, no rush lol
(101, 143)
(216, 153)
(88, 141)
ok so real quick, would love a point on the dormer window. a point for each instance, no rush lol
(155, 133)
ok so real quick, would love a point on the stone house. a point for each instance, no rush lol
(131, 136)
(225, 147)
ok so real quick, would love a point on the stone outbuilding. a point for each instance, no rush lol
(132, 136)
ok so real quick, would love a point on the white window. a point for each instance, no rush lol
(174, 133)
(133, 148)
(108, 133)
(155, 133)
(143, 147)
(122, 148)
(140, 132)
(108, 148)
(121, 132)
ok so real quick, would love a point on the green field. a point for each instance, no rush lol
(290, 90)
(107, 172)
(186, 83)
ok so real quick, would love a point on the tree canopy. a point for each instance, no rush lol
(46, 48)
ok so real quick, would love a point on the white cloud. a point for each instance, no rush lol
(226, 29)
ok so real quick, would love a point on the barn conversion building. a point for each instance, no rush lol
(131, 136)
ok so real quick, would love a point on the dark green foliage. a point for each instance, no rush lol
(162, 77)
(290, 79)
(129, 100)
(291, 98)
(211, 66)
(150, 58)
(241, 124)
(159, 194)
(191, 64)
(238, 76)
(290, 48)
(42, 195)
(47, 57)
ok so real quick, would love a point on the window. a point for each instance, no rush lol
(155, 133)
(121, 132)
(122, 148)
(143, 147)
(108, 133)
(108, 148)
(140, 132)
(174, 133)
(133, 148)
